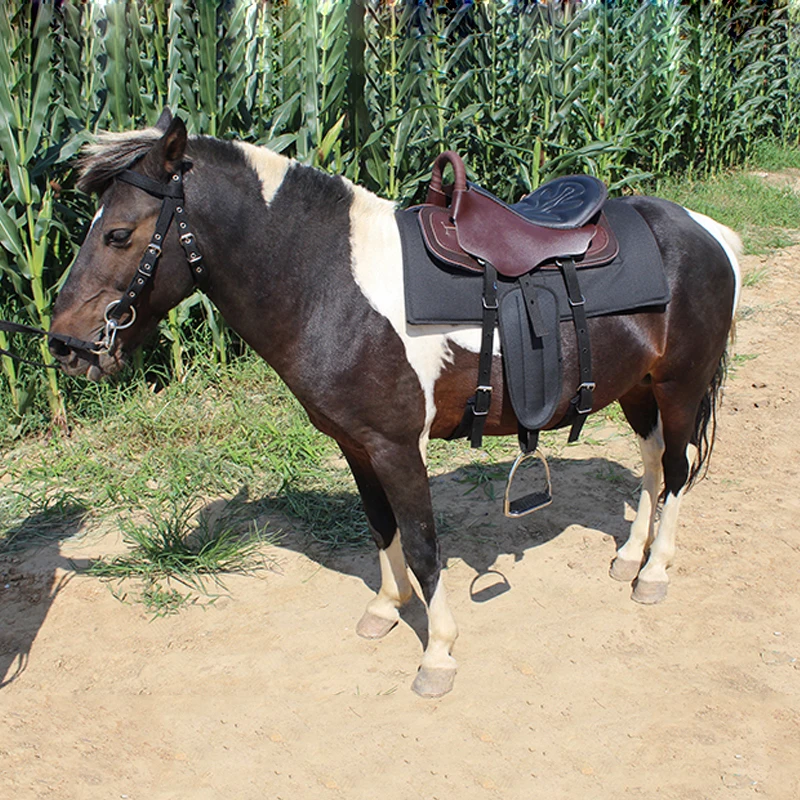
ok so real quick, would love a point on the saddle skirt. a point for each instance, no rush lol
(437, 292)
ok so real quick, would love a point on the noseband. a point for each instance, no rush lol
(172, 206)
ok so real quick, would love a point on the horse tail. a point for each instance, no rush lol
(705, 425)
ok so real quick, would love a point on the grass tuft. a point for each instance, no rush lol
(182, 547)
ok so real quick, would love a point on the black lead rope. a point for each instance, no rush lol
(69, 341)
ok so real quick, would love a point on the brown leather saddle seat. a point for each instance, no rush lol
(464, 225)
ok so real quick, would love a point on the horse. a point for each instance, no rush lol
(306, 267)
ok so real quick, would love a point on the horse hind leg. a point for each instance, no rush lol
(678, 421)
(631, 556)
(642, 413)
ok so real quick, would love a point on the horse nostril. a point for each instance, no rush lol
(59, 349)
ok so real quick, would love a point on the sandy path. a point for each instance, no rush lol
(566, 688)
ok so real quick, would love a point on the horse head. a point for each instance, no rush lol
(95, 305)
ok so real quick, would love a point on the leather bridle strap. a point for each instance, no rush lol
(171, 194)
(172, 201)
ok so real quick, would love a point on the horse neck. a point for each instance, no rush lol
(277, 241)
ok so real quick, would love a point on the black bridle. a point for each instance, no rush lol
(121, 314)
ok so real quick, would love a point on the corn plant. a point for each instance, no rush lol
(373, 89)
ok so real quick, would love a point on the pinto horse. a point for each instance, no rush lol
(307, 268)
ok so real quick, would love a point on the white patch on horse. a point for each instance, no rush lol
(378, 270)
(395, 588)
(643, 527)
(97, 218)
(442, 632)
(270, 167)
(729, 241)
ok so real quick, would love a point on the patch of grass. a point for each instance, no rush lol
(737, 361)
(755, 276)
(482, 476)
(38, 517)
(766, 216)
(773, 155)
(181, 547)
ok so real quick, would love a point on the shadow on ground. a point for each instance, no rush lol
(28, 591)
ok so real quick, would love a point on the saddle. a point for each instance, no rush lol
(559, 226)
(466, 226)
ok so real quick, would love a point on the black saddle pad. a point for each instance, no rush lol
(437, 294)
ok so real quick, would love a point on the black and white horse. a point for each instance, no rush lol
(307, 268)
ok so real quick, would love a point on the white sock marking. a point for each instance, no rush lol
(442, 632)
(395, 588)
(642, 528)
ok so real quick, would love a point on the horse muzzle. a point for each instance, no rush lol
(95, 364)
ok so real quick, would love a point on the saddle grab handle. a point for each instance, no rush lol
(437, 196)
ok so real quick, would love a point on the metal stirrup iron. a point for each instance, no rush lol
(533, 501)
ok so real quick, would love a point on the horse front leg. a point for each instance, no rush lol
(383, 611)
(404, 478)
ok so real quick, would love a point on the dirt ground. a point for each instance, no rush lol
(566, 688)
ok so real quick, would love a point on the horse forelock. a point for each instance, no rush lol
(110, 154)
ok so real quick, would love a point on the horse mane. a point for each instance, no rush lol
(111, 153)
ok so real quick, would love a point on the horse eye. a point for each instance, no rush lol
(119, 237)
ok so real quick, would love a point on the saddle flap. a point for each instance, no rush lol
(531, 364)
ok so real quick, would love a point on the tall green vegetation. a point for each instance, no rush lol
(373, 89)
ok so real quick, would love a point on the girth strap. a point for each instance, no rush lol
(581, 404)
(478, 406)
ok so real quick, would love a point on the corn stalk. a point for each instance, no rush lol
(374, 89)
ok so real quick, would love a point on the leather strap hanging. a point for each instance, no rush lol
(581, 404)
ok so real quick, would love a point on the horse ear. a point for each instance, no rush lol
(174, 143)
(165, 120)
(167, 153)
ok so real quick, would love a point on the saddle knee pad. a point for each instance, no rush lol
(531, 364)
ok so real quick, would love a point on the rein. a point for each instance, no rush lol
(17, 327)
(172, 206)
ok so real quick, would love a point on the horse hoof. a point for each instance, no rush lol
(371, 626)
(624, 571)
(433, 682)
(649, 592)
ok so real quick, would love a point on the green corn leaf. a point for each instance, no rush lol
(9, 233)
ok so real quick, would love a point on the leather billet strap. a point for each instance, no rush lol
(172, 202)
(581, 404)
(478, 406)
